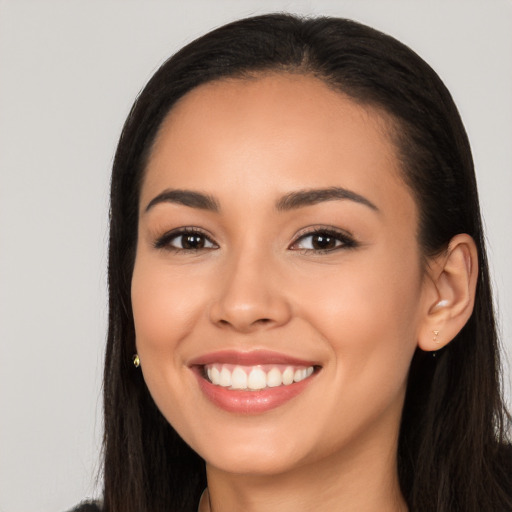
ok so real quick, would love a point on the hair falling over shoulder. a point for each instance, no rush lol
(454, 447)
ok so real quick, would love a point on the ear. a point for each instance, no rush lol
(449, 293)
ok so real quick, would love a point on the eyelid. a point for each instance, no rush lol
(346, 238)
(163, 241)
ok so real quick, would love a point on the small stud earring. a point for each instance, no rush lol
(136, 360)
(435, 340)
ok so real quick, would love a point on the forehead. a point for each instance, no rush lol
(273, 130)
(281, 103)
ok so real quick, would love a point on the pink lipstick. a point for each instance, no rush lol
(252, 382)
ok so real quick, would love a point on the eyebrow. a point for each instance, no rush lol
(291, 201)
(186, 198)
(302, 198)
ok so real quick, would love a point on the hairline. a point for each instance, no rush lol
(388, 123)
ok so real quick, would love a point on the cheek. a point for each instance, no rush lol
(368, 315)
(166, 305)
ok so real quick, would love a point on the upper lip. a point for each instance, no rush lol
(250, 358)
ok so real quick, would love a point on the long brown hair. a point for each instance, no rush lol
(452, 449)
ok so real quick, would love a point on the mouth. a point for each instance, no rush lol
(254, 378)
(252, 383)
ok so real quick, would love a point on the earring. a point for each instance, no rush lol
(136, 360)
(435, 333)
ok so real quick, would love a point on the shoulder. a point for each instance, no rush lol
(88, 506)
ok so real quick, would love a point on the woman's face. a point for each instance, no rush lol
(277, 256)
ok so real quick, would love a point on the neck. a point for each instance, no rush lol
(364, 482)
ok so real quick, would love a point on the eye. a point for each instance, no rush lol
(323, 240)
(186, 239)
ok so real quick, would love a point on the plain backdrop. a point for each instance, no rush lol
(69, 71)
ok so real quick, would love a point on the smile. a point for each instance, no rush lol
(253, 378)
(252, 382)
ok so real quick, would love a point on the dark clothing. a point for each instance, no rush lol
(87, 506)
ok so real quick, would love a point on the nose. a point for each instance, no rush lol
(250, 297)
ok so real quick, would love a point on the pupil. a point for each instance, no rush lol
(193, 242)
(323, 242)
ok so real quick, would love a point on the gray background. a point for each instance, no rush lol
(69, 71)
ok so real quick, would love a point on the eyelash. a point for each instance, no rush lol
(164, 242)
(346, 240)
(342, 240)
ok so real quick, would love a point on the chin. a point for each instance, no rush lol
(253, 463)
(252, 451)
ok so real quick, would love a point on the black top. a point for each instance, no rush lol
(87, 506)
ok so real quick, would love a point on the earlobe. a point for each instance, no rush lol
(450, 294)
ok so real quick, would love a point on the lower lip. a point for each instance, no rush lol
(251, 402)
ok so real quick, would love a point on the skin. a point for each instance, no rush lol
(358, 310)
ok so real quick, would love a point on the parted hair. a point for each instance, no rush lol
(453, 452)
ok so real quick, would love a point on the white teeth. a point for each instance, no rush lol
(225, 378)
(288, 376)
(215, 376)
(238, 378)
(274, 378)
(255, 377)
(300, 375)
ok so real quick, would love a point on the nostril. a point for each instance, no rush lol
(259, 321)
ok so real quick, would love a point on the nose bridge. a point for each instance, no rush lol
(249, 297)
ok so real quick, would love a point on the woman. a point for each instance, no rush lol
(297, 263)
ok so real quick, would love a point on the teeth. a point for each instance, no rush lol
(215, 376)
(255, 377)
(238, 379)
(299, 375)
(274, 378)
(288, 376)
(225, 378)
